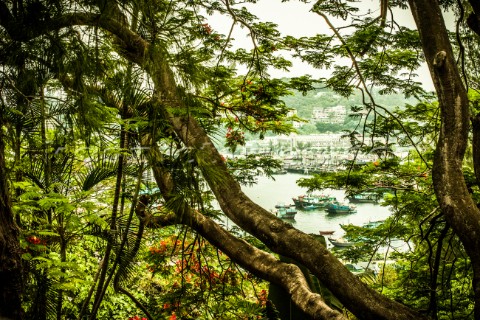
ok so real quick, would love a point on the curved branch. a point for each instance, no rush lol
(260, 263)
(278, 235)
(133, 45)
(281, 237)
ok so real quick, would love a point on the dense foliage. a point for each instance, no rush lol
(113, 196)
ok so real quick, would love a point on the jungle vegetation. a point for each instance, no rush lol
(108, 167)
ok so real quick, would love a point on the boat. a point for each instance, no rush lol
(339, 208)
(354, 268)
(340, 242)
(373, 224)
(326, 232)
(283, 205)
(310, 202)
(286, 213)
(365, 197)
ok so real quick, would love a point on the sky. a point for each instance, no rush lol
(295, 18)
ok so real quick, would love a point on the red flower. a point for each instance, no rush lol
(173, 316)
(34, 240)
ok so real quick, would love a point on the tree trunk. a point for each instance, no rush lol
(10, 255)
(450, 187)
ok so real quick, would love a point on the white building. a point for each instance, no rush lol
(335, 114)
(295, 124)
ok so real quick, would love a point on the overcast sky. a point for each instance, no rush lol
(294, 18)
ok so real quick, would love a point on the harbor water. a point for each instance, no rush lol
(268, 193)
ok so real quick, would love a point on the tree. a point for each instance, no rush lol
(10, 262)
(173, 48)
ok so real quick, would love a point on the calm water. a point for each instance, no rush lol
(267, 193)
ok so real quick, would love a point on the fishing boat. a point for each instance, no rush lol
(283, 205)
(373, 224)
(364, 197)
(312, 201)
(326, 232)
(340, 242)
(309, 207)
(339, 208)
(286, 213)
(280, 171)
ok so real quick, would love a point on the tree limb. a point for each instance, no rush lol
(260, 263)
(281, 237)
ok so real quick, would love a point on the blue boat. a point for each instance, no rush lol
(365, 197)
(339, 208)
(311, 202)
(285, 212)
(283, 205)
(309, 207)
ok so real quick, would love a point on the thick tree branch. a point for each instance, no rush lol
(132, 44)
(450, 187)
(281, 237)
(260, 263)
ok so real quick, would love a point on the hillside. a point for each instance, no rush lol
(324, 98)
(327, 99)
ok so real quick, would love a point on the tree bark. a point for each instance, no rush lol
(476, 146)
(10, 255)
(450, 187)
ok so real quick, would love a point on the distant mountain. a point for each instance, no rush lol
(324, 98)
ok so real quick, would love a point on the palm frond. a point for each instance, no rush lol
(41, 296)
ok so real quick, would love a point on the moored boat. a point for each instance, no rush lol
(340, 242)
(310, 202)
(326, 232)
(283, 205)
(339, 208)
(280, 171)
(285, 213)
(365, 197)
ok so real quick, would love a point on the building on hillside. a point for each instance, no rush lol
(293, 141)
(335, 114)
(293, 113)
(326, 140)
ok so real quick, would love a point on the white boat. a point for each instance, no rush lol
(340, 242)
